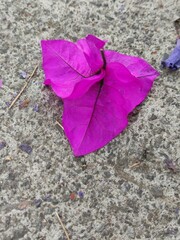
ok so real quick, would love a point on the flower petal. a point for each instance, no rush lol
(91, 46)
(93, 120)
(137, 66)
(173, 61)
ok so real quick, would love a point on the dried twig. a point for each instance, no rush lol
(58, 123)
(62, 225)
(135, 164)
(23, 88)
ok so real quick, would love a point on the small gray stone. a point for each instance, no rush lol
(107, 174)
(153, 117)
(48, 166)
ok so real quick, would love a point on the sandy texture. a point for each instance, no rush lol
(121, 200)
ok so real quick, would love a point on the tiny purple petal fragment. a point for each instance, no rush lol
(7, 104)
(80, 194)
(1, 83)
(37, 202)
(173, 61)
(2, 144)
(26, 148)
(22, 74)
(47, 198)
(36, 108)
(170, 165)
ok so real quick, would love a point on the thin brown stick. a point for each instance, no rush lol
(23, 88)
(58, 123)
(62, 225)
(135, 165)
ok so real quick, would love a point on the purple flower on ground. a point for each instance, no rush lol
(173, 61)
(1, 83)
(80, 194)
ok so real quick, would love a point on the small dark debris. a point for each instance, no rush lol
(177, 26)
(84, 165)
(107, 174)
(130, 40)
(12, 176)
(47, 198)
(36, 108)
(177, 211)
(153, 117)
(170, 165)
(37, 202)
(151, 176)
(2, 144)
(165, 56)
(171, 231)
(140, 192)
(26, 148)
(22, 74)
(48, 166)
(110, 18)
(55, 201)
(127, 186)
(7, 104)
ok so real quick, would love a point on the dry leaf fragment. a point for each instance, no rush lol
(24, 104)
(24, 204)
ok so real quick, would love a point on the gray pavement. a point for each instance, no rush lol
(129, 192)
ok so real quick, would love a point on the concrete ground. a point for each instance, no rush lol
(129, 188)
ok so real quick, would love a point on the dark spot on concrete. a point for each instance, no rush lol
(157, 192)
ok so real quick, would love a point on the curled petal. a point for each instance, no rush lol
(94, 119)
(137, 66)
(173, 61)
(71, 68)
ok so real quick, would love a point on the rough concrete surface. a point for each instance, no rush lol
(129, 192)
